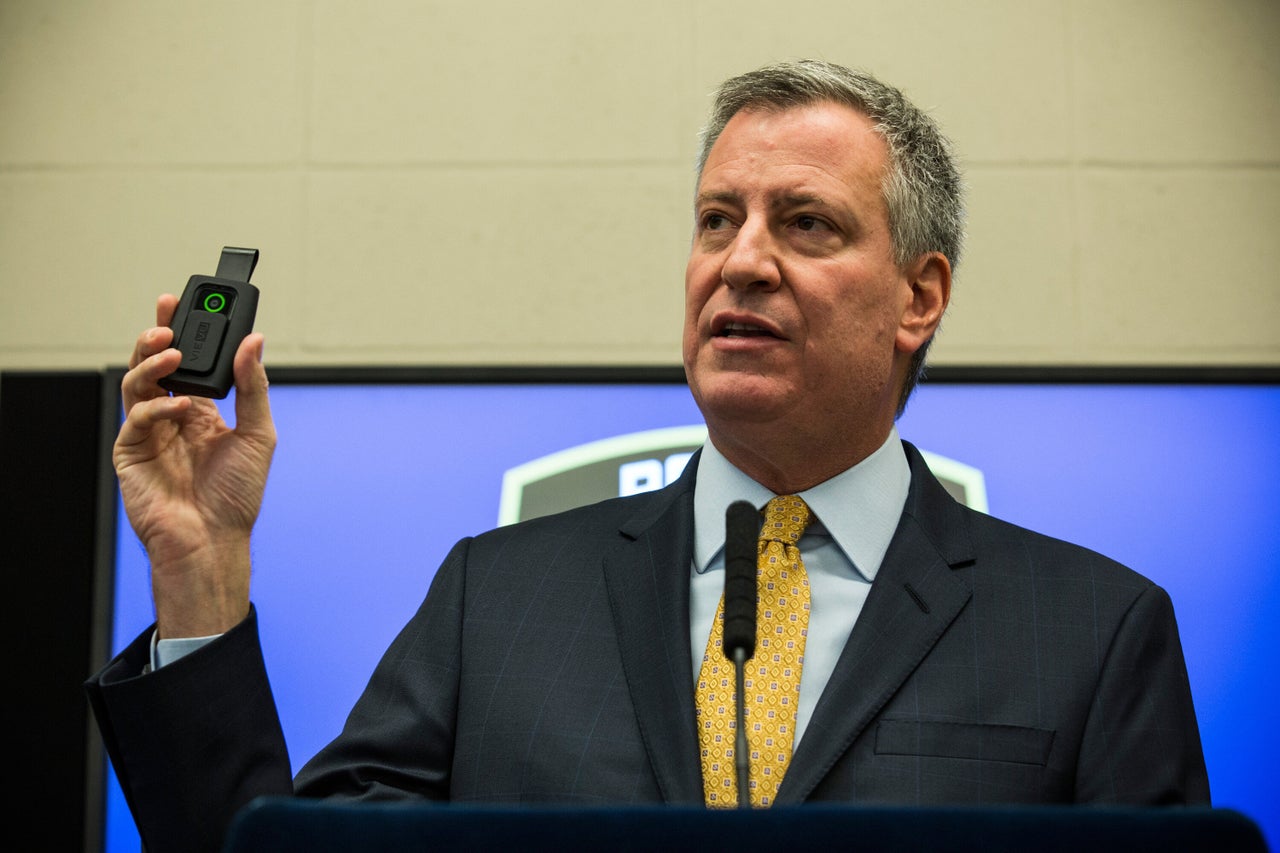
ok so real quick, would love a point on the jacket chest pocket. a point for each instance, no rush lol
(975, 741)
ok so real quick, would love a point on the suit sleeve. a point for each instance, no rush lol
(1141, 743)
(194, 741)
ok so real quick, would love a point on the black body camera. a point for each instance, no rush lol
(214, 315)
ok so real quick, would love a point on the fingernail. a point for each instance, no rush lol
(262, 345)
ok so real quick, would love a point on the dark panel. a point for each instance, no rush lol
(50, 444)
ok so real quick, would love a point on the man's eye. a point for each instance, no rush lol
(809, 223)
(714, 222)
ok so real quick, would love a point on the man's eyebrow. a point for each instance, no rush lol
(801, 200)
(721, 196)
(783, 200)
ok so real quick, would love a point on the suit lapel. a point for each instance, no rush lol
(648, 583)
(916, 595)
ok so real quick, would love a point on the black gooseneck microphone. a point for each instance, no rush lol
(741, 535)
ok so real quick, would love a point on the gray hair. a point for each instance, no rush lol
(922, 187)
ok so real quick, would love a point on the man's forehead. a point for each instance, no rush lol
(841, 118)
(792, 154)
(824, 130)
(779, 197)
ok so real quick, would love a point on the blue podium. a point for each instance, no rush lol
(284, 825)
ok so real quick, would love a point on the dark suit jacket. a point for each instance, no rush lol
(550, 663)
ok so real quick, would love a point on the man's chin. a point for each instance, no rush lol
(729, 398)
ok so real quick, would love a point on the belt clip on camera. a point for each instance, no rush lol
(214, 315)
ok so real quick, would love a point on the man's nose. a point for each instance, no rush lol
(752, 261)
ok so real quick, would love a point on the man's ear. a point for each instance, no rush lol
(929, 279)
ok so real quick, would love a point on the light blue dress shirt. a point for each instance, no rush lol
(854, 516)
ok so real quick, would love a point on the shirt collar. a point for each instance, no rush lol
(859, 507)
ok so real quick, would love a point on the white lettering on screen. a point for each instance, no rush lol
(646, 475)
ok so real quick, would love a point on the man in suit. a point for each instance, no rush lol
(950, 657)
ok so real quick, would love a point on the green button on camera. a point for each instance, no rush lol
(214, 303)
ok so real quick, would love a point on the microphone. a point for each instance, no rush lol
(741, 535)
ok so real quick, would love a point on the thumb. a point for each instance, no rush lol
(253, 408)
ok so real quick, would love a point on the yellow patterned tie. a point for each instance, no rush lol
(772, 681)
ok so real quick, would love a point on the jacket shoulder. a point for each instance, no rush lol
(994, 547)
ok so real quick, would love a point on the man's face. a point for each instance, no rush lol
(794, 305)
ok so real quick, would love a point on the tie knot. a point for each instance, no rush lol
(785, 518)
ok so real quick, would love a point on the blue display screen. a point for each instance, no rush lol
(1180, 482)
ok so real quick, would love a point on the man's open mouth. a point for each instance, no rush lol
(744, 330)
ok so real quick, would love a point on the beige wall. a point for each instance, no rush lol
(461, 181)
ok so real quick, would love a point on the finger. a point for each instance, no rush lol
(143, 417)
(142, 382)
(253, 406)
(166, 305)
(150, 342)
(158, 337)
